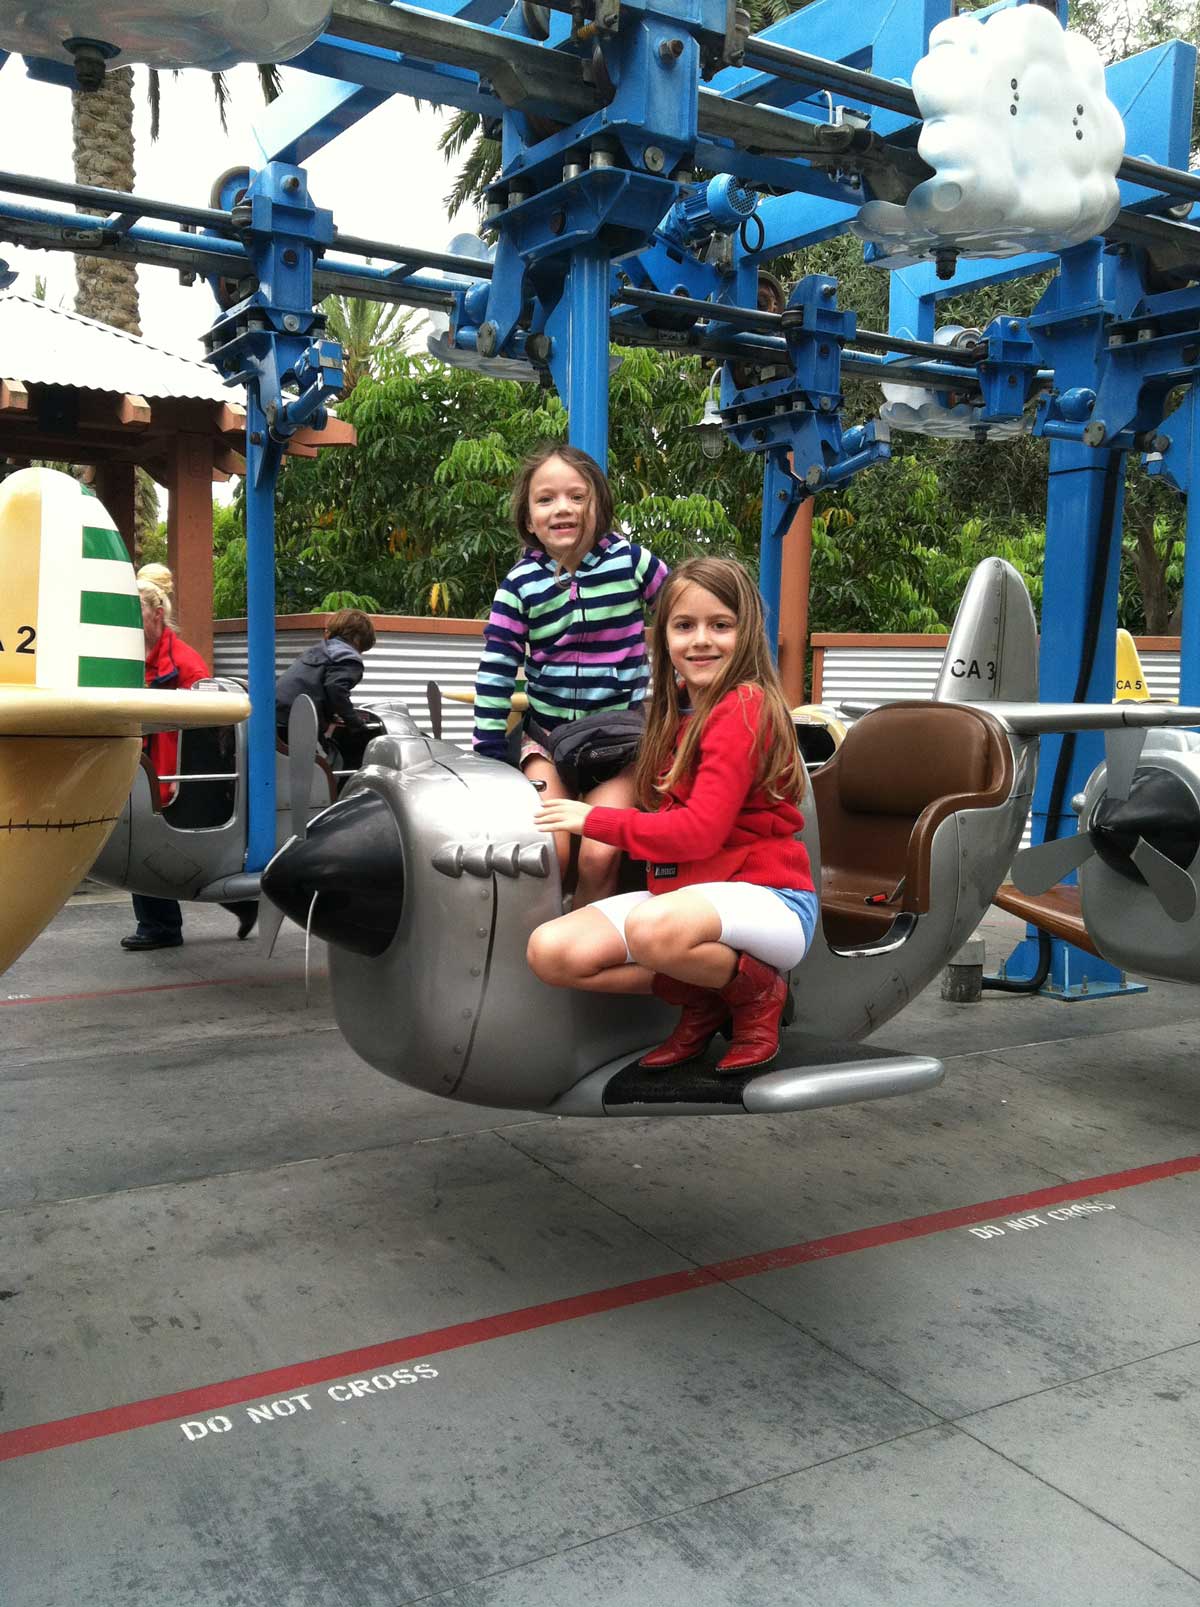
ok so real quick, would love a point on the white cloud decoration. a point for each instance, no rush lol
(1023, 139)
(213, 34)
(918, 411)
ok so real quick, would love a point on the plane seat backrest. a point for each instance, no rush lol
(900, 772)
(898, 761)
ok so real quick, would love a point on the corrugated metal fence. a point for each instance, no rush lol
(863, 669)
(411, 652)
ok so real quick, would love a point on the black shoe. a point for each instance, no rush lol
(142, 940)
(246, 911)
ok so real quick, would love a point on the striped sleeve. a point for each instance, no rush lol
(504, 641)
(649, 572)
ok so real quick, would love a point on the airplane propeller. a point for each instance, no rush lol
(303, 736)
(1146, 827)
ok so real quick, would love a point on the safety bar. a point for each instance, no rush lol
(897, 934)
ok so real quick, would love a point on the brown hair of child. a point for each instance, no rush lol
(353, 626)
(600, 502)
(781, 772)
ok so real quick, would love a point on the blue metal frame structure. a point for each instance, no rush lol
(605, 110)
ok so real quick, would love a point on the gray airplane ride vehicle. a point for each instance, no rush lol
(194, 847)
(427, 877)
(1136, 849)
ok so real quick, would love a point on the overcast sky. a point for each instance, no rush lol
(384, 178)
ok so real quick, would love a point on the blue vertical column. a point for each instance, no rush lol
(1082, 569)
(585, 392)
(262, 469)
(1187, 417)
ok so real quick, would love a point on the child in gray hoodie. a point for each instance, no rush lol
(328, 672)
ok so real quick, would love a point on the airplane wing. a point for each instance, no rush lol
(1040, 719)
(1046, 719)
(120, 712)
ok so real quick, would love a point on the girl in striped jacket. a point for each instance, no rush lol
(571, 611)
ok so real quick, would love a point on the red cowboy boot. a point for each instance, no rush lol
(704, 1014)
(757, 994)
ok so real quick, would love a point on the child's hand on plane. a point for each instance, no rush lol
(562, 814)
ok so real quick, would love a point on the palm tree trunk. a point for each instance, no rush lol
(102, 129)
(106, 289)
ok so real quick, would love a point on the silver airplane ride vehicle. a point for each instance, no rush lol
(427, 877)
(194, 847)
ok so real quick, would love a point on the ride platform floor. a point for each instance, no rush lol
(696, 1362)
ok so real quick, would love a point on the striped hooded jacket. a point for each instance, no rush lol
(581, 638)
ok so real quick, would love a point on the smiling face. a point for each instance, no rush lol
(561, 513)
(701, 635)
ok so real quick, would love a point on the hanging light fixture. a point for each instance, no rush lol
(214, 35)
(710, 428)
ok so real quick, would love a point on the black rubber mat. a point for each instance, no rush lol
(698, 1083)
(695, 1084)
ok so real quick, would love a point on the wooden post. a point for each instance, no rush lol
(793, 603)
(116, 486)
(190, 538)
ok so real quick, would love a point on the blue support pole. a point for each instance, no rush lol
(1189, 632)
(262, 471)
(584, 384)
(1083, 530)
(578, 327)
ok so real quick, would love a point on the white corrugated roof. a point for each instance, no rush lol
(41, 345)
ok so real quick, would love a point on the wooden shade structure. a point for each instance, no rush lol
(76, 391)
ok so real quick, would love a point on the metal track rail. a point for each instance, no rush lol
(768, 323)
(522, 68)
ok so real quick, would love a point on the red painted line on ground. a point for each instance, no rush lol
(168, 987)
(277, 1381)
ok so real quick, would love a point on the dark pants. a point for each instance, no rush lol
(157, 917)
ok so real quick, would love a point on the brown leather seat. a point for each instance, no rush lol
(900, 772)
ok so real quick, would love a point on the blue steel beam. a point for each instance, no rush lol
(875, 35)
(344, 83)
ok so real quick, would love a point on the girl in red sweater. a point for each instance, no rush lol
(730, 905)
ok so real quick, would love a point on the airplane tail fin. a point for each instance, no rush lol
(992, 655)
(1131, 682)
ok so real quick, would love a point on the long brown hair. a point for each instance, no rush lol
(600, 503)
(780, 771)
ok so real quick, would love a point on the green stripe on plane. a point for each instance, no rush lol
(101, 543)
(110, 608)
(111, 671)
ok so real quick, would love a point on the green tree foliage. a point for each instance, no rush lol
(415, 518)
(890, 554)
(366, 330)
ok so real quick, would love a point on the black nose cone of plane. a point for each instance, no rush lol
(352, 860)
(1160, 809)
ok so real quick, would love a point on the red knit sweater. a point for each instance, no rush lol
(716, 826)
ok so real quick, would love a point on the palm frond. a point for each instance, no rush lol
(462, 128)
(478, 171)
(154, 96)
(221, 95)
(269, 81)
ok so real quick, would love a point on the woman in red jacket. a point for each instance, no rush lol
(173, 666)
(730, 906)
